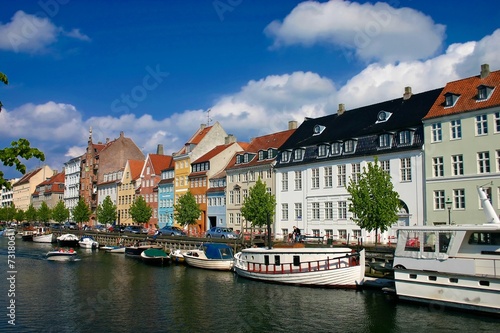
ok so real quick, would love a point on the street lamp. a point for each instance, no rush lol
(448, 206)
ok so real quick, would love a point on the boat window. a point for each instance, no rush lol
(485, 238)
(266, 260)
(412, 241)
(296, 260)
(430, 241)
(277, 260)
(444, 241)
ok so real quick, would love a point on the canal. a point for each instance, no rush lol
(106, 292)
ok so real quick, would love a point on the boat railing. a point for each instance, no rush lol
(350, 260)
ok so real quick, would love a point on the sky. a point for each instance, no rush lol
(157, 69)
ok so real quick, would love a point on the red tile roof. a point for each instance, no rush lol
(135, 168)
(214, 152)
(467, 90)
(25, 179)
(160, 162)
(195, 139)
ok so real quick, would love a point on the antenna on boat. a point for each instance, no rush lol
(489, 212)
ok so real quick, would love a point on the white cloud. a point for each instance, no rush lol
(32, 34)
(372, 31)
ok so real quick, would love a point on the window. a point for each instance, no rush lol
(238, 218)
(384, 140)
(315, 210)
(261, 155)
(298, 154)
(483, 92)
(270, 153)
(322, 150)
(342, 233)
(328, 210)
(455, 129)
(342, 207)
(497, 122)
(405, 137)
(315, 178)
(439, 201)
(341, 176)
(336, 148)
(356, 172)
(298, 180)
(349, 146)
(285, 156)
(231, 218)
(237, 195)
(298, 211)
(329, 175)
(457, 165)
(481, 125)
(450, 99)
(459, 199)
(284, 181)
(438, 166)
(498, 160)
(437, 135)
(231, 197)
(405, 169)
(386, 166)
(284, 212)
(483, 162)
(245, 193)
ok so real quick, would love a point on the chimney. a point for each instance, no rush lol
(229, 139)
(341, 109)
(202, 126)
(407, 93)
(121, 134)
(292, 124)
(485, 70)
(107, 140)
(159, 149)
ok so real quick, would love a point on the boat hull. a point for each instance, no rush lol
(87, 243)
(135, 251)
(155, 260)
(116, 249)
(61, 256)
(214, 264)
(48, 238)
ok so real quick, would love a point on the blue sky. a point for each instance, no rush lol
(153, 68)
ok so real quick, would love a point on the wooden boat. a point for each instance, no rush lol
(88, 242)
(217, 256)
(136, 249)
(62, 255)
(454, 266)
(43, 237)
(325, 267)
(67, 240)
(153, 256)
(27, 233)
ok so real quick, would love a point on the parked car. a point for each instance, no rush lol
(70, 225)
(219, 232)
(116, 228)
(56, 226)
(170, 230)
(100, 228)
(133, 229)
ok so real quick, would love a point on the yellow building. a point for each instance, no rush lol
(24, 188)
(130, 182)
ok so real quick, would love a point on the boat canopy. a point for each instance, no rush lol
(218, 251)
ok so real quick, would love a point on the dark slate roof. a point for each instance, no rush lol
(361, 124)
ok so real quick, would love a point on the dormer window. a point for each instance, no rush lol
(261, 155)
(383, 116)
(336, 148)
(238, 159)
(318, 129)
(285, 156)
(349, 146)
(405, 137)
(483, 92)
(245, 158)
(298, 154)
(322, 150)
(385, 140)
(450, 99)
(270, 153)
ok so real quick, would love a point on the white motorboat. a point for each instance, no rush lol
(217, 256)
(43, 238)
(67, 240)
(453, 266)
(88, 242)
(325, 267)
(9, 232)
(115, 249)
(177, 256)
(62, 255)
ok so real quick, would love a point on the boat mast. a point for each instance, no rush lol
(489, 212)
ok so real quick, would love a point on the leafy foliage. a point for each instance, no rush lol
(187, 210)
(44, 213)
(140, 211)
(373, 201)
(60, 213)
(19, 217)
(81, 212)
(106, 212)
(8, 213)
(258, 205)
(31, 214)
(9, 156)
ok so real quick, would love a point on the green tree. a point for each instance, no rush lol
(44, 213)
(31, 214)
(373, 200)
(106, 212)
(19, 217)
(186, 211)
(8, 213)
(60, 213)
(140, 211)
(81, 212)
(9, 156)
(259, 205)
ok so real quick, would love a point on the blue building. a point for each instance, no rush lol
(166, 198)
(216, 198)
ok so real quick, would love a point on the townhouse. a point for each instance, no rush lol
(72, 169)
(50, 191)
(127, 188)
(24, 188)
(8, 193)
(166, 196)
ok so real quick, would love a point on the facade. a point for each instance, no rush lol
(127, 187)
(247, 166)
(150, 177)
(317, 162)
(101, 159)
(462, 131)
(203, 169)
(166, 197)
(8, 194)
(22, 190)
(72, 184)
(216, 200)
(109, 187)
(50, 191)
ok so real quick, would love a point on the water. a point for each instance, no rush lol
(112, 293)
